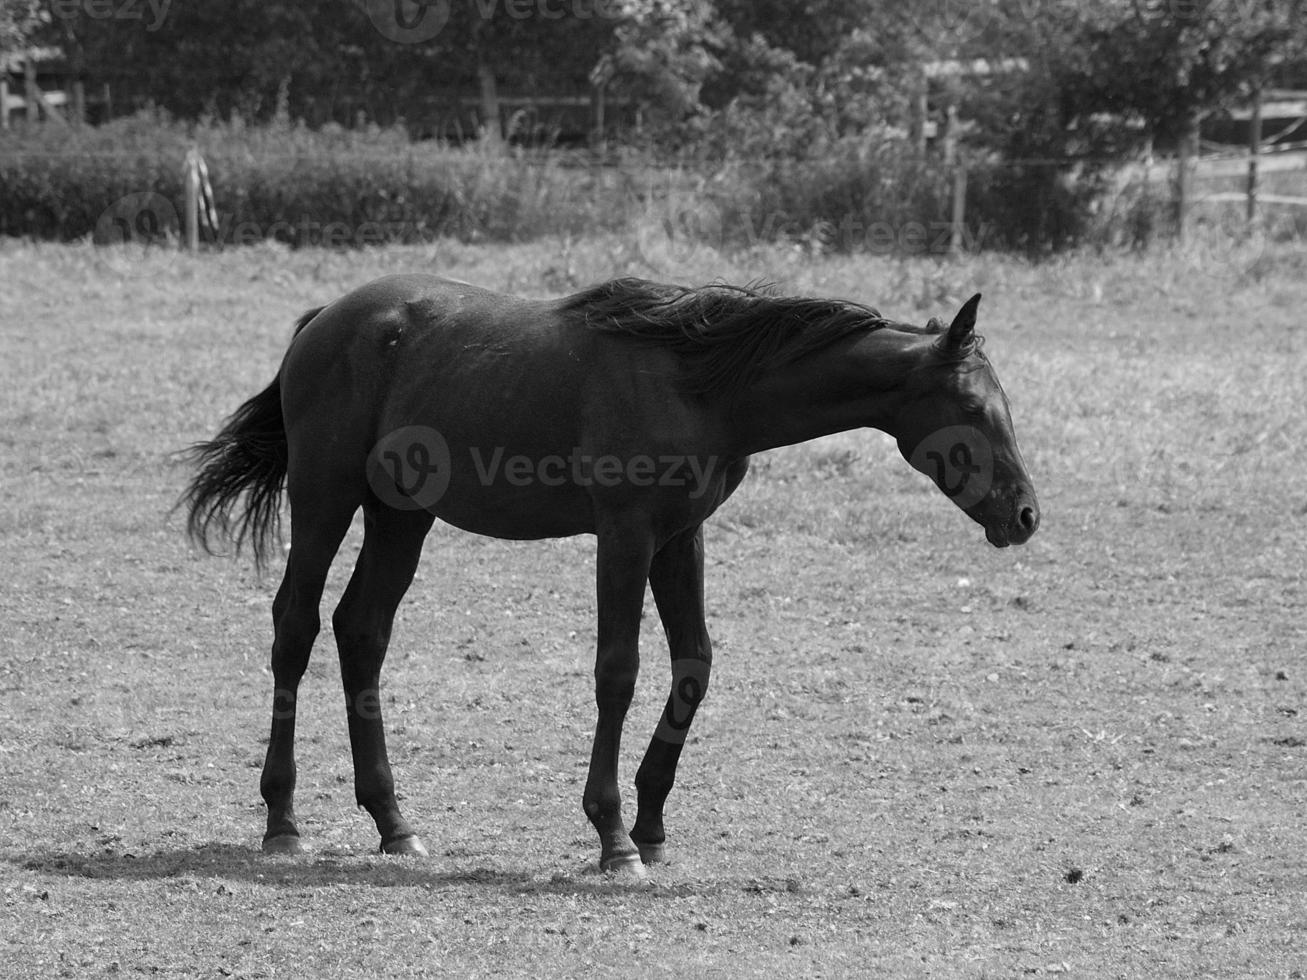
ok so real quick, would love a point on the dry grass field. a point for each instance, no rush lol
(921, 756)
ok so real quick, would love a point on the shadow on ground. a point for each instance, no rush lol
(242, 863)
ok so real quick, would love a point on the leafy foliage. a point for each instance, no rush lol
(19, 20)
(286, 182)
(795, 118)
(1168, 63)
(660, 54)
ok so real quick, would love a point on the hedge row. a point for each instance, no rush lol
(344, 188)
(333, 187)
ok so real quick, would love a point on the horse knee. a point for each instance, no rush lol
(344, 620)
(294, 633)
(615, 681)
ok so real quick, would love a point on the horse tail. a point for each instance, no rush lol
(248, 457)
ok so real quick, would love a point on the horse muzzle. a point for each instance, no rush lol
(1017, 527)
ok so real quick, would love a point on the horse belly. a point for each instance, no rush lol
(502, 481)
(514, 496)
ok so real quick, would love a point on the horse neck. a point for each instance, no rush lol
(849, 385)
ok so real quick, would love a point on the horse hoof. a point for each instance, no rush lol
(410, 846)
(624, 865)
(652, 853)
(283, 844)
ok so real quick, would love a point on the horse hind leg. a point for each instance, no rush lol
(392, 546)
(317, 528)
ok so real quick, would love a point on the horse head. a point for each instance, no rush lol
(955, 425)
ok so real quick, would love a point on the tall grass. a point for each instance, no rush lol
(864, 194)
(299, 186)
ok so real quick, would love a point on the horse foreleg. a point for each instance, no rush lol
(392, 546)
(676, 577)
(622, 568)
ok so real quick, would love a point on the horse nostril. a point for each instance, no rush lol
(1028, 519)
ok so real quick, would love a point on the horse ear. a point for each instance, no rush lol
(934, 325)
(963, 327)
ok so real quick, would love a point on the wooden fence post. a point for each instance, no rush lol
(29, 90)
(77, 103)
(38, 104)
(920, 112)
(958, 227)
(598, 124)
(950, 138)
(492, 125)
(191, 214)
(1188, 150)
(1254, 150)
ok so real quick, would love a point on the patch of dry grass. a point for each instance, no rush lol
(920, 756)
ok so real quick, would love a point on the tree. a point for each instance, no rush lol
(19, 21)
(1155, 69)
(1170, 63)
(344, 60)
(660, 54)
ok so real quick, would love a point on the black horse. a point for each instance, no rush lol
(628, 411)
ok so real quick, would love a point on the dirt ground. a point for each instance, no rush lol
(921, 756)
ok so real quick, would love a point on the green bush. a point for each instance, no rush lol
(1034, 208)
(855, 180)
(57, 182)
(302, 187)
(867, 191)
(848, 196)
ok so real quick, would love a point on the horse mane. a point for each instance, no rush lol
(725, 335)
